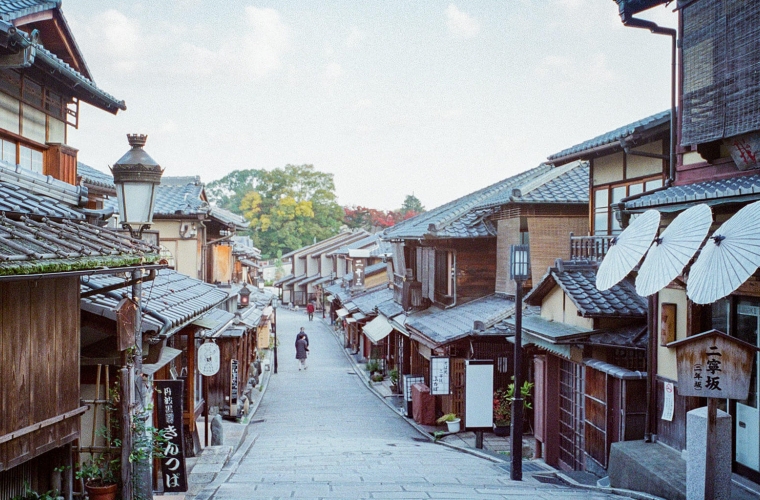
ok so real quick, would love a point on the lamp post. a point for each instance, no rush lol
(275, 334)
(519, 270)
(136, 176)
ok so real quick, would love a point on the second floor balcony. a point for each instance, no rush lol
(590, 248)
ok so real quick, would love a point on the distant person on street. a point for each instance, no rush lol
(302, 351)
(302, 333)
(310, 311)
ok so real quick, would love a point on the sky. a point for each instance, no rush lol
(425, 97)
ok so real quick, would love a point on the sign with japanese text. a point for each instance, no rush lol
(208, 359)
(439, 376)
(233, 381)
(714, 365)
(359, 265)
(668, 401)
(169, 417)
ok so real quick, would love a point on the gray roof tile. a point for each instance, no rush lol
(17, 200)
(613, 136)
(578, 281)
(14, 9)
(182, 199)
(442, 326)
(95, 177)
(43, 246)
(174, 296)
(366, 302)
(711, 192)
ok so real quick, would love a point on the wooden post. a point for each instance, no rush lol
(205, 411)
(712, 442)
(126, 432)
(479, 440)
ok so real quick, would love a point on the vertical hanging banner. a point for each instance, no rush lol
(169, 413)
(439, 376)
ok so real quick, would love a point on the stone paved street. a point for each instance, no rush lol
(320, 433)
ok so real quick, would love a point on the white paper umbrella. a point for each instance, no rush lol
(673, 249)
(627, 250)
(728, 258)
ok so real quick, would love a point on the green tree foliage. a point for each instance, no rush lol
(412, 206)
(288, 208)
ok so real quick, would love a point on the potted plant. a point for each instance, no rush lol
(451, 420)
(393, 375)
(100, 475)
(502, 406)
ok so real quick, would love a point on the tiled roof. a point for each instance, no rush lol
(467, 217)
(30, 247)
(341, 293)
(216, 321)
(282, 280)
(615, 135)
(176, 298)
(44, 185)
(712, 192)
(78, 84)
(565, 184)
(459, 218)
(229, 218)
(442, 326)
(180, 199)
(578, 281)
(390, 308)
(95, 177)
(345, 236)
(14, 199)
(14, 9)
(366, 302)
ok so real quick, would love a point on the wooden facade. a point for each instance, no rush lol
(39, 348)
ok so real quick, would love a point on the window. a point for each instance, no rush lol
(30, 158)
(444, 275)
(606, 197)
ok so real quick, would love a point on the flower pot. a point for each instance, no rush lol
(501, 430)
(107, 492)
(453, 425)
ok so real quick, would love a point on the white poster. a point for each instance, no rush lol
(439, 376)
(668, 402)
(478, 394)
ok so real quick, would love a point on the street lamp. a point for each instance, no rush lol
(519, 270)
(245, 297)
(136, 176)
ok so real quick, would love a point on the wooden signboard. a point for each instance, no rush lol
(126, 316)
(169, 417)
(714, 365)
(439, 376)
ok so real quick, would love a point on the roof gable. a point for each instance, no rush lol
(578, 281)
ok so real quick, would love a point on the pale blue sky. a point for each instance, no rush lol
(433, 97)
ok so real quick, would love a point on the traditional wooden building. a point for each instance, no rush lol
(588, 351)
(47, 249)
(451, 267)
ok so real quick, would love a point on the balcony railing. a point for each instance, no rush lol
(592, 248)
(407, 293)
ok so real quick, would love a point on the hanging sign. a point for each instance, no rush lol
(233, 381)
(668, 404)
(208, 359)
(126, 314)
(169, 417)
(439, 376)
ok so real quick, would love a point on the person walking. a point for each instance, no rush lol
(302, 351)
(310, 310)
(302, 333)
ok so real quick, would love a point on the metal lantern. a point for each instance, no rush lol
(245, 296)
(519, 262)
(136, 176)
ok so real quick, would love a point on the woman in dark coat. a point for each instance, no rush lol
(301, 352)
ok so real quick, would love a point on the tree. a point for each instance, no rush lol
(287, 208)
(412, 206)
(371, 219)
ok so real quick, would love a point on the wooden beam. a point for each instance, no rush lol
(41, 425)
